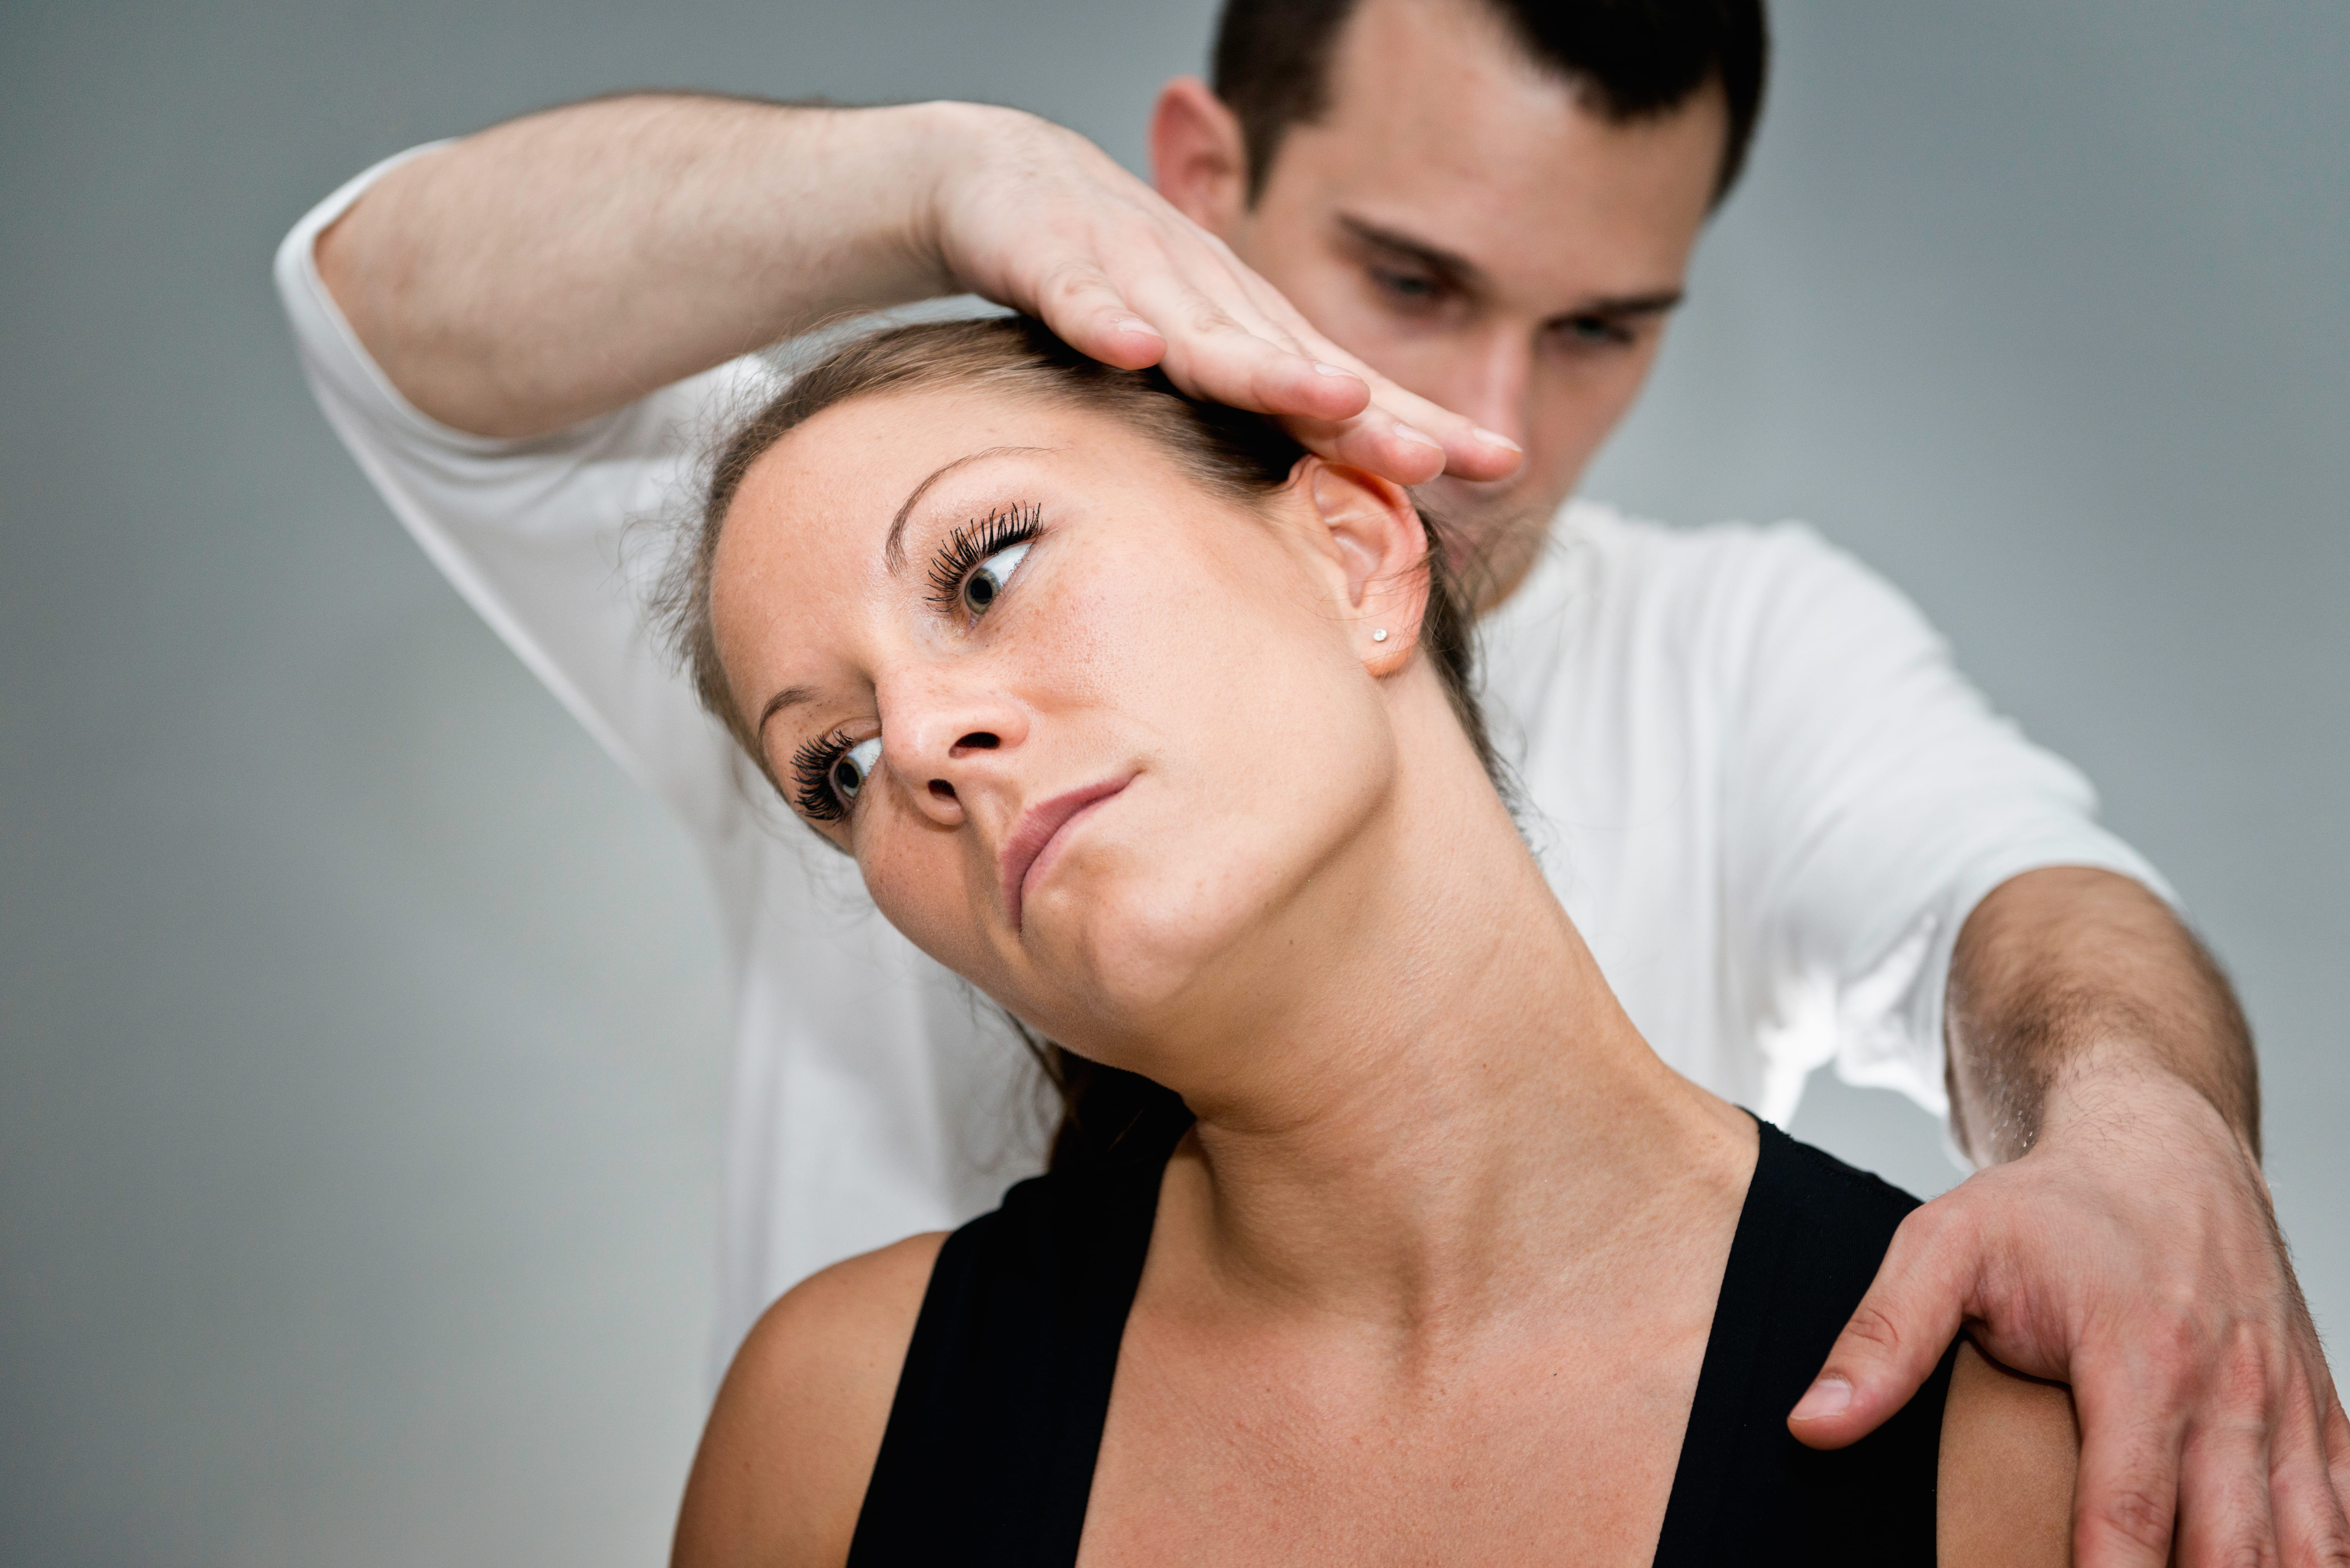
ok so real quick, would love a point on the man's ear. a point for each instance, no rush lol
(1373, 538)
(1199, 159)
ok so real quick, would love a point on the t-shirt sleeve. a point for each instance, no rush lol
(1871, 799)
(554, 540)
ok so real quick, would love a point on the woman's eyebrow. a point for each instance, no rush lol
(789, 697)
(893, 550)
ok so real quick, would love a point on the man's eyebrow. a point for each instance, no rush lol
(1456, 268)
(1656, 301)
(1464, 273)
(893, 550)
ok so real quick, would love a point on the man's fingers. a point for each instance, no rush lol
(1090, 314)
(1221, 346)
(1897, 1335)
(2309, 1463)
(2224, 1514)
(1213, 353)
(1469, 450)
(2337, 1445)
(1374, 443)
(2125, 1498)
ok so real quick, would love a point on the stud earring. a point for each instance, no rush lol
(1379, 634)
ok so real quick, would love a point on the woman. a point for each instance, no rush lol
(1376, 1233)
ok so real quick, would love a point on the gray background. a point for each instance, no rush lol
(361, 1043)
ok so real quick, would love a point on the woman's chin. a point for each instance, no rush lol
(1127, 967)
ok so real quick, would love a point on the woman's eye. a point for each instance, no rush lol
(852, 768)
(987, 579)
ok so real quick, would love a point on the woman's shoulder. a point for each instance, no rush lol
(783, 1463)
(2008, 1444)
(2011, 1445)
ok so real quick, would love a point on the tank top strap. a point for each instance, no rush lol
(1808, 1243)
(988, 1457)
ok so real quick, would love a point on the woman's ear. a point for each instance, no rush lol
(1199, 159)
(1373, 536)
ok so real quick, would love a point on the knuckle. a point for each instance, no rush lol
(1943, 1235)
(1069, 281)
(2329, 1550)
(2173, 1337)
(1875, 1328)
(2138, 1516)
(1205, 317)
(2248, 1371)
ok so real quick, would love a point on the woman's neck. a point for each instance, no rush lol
(1436, 1108)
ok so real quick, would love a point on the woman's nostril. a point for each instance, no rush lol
(978, 740)
(943, 790)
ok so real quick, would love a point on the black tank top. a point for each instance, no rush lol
(988, 1454)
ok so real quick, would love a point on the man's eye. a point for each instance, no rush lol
(988, 578)
(1594, 331)
(852, 768)
(1414, 288)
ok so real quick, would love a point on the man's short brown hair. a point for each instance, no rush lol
(1633, 59)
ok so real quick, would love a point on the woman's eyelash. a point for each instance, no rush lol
(974, 542)
(812, 777)
(813, 762)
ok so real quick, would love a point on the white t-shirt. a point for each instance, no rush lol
(1755, 779)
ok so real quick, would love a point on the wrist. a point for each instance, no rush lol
(943, 146)
(2099, 1095)
(859, 191)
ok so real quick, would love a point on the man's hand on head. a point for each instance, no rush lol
(1036, 217)
(554, 268)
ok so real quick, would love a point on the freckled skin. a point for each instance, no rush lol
(1131, 638)
(1432, 1275)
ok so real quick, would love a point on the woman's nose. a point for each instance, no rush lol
(942, 745)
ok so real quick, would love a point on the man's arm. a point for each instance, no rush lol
(2061, 973)
(567, 264)
(2122, 1239)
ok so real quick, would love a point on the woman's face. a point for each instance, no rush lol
(1100, 739)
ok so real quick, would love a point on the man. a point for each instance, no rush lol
(1790, 829)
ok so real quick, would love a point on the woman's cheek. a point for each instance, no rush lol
(919, 887)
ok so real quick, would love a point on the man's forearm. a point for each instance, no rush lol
(562, 264)
(2062, 974)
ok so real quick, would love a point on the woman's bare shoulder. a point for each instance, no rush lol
(792, 1438)
(2011, 1445)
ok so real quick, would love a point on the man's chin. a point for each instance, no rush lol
(1491, 535)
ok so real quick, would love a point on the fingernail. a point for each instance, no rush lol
(1136, 323)
(1331, 370)
(1495, 438)
(1828, 1397)
(1405, 432)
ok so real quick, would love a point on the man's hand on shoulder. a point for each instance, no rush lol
(783, 1463)
(2132, 1255)
(2126, 1246)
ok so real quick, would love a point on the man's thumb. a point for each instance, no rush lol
(1894, 1340)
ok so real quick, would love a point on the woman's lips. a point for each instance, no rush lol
(1030, 847)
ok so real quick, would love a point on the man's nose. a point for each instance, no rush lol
(945, 739)
(1495, 380)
